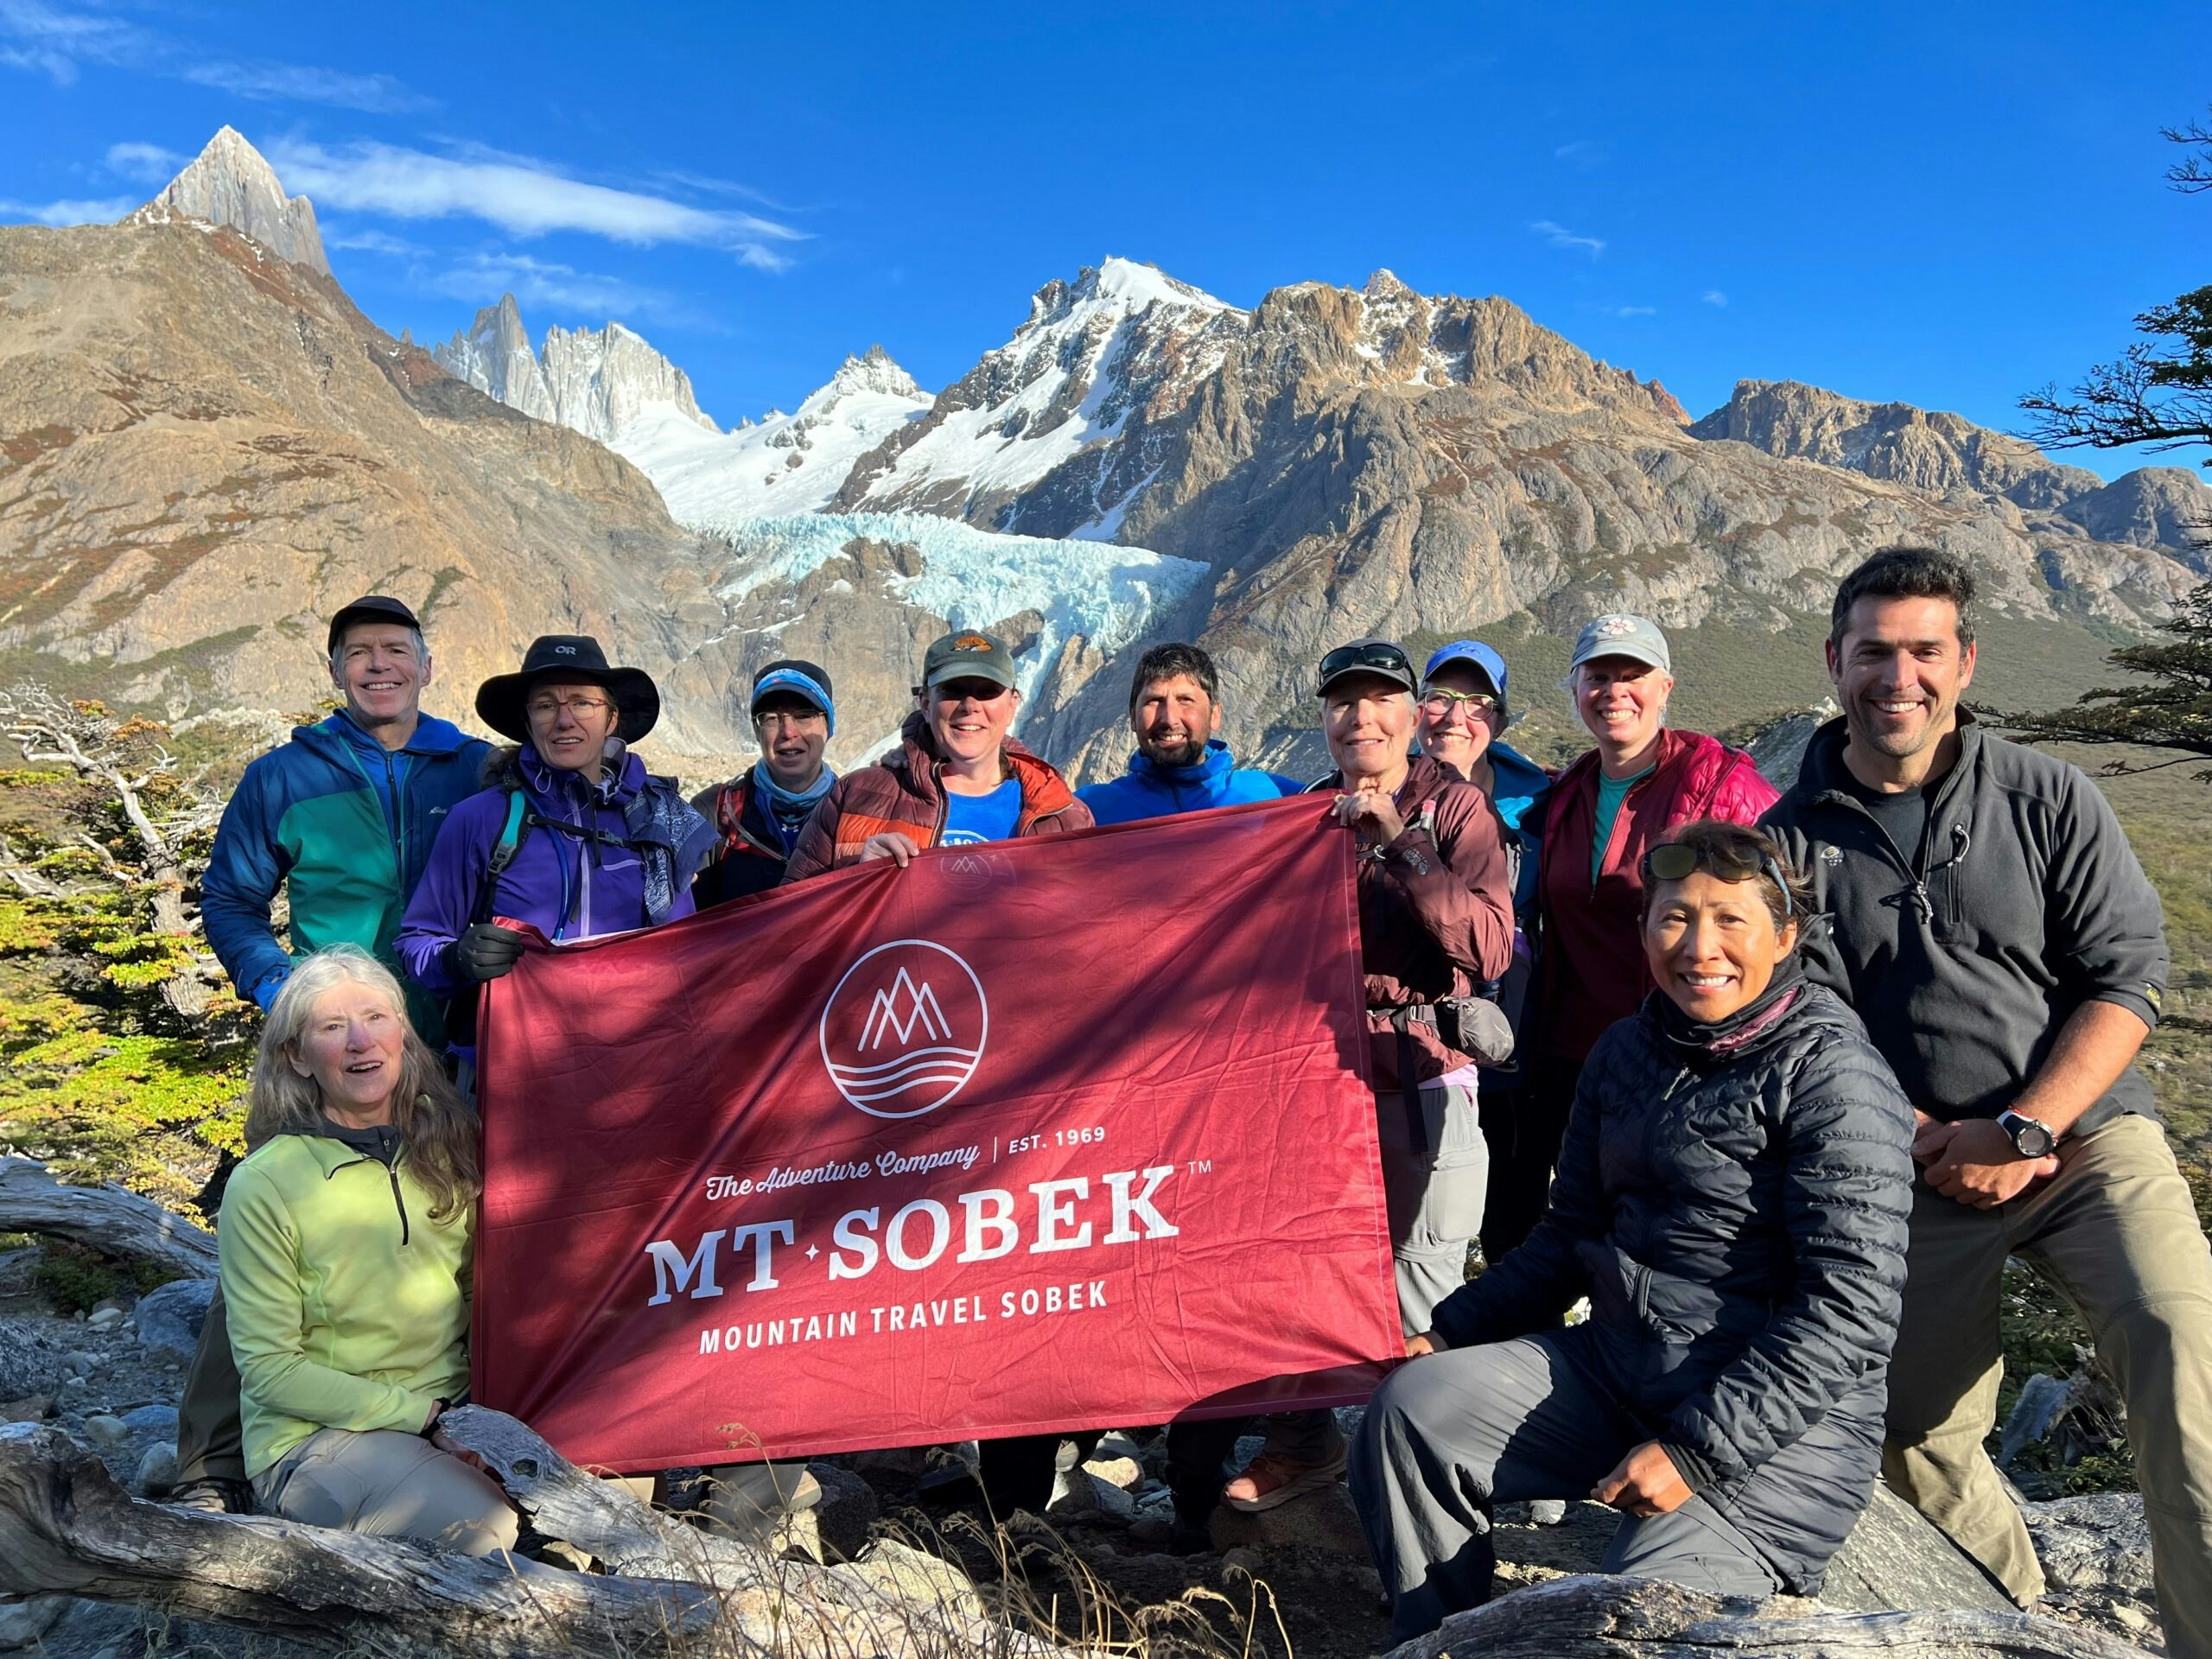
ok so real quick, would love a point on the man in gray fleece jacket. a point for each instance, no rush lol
(1987, 919)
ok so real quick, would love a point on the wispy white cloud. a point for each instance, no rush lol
(484, 277)
(523, 196)
(1559, 237)
(372, 241)
(56, 42)
(103, 210)
(1714, 297)
(149, 163)
(1584, 153)
(1628, 310)
(298, 83)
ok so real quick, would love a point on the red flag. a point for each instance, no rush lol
(1041, 1135)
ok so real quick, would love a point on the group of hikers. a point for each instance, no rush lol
(1776, 1082)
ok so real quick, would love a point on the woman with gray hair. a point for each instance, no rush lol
(345, 1243)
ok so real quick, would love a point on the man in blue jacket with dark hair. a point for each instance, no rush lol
(1180, 765)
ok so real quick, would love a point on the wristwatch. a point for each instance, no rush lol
(2031, 1137)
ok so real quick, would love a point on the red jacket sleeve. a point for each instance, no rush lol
(1465, 901)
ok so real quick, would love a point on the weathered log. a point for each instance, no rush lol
(1592, 1616)
(105, 1217)
(899, 1604)
(66, 1527)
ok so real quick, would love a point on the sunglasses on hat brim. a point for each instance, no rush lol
(1382, 658)
(1675, 860)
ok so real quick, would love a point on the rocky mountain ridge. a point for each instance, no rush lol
(1330, 462)
(599, 382)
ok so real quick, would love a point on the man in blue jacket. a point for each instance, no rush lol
(341, 818)
(1180, 765)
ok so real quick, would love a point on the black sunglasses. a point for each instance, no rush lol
(981, 690)
(1380, 655)
(1675, 860)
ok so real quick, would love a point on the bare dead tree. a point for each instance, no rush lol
(162, 810)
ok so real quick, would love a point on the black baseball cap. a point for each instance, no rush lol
(370, 608)
(1383, 658)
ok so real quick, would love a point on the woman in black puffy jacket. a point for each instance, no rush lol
(1733, 1199)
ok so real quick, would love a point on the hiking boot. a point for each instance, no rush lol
(1273, 1479)
(212, 1495)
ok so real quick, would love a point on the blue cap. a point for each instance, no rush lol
(804, 679)
(1470, 650)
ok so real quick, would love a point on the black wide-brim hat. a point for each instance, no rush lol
(501, 700)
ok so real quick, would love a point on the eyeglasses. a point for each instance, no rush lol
(967, 690)
(1676, 860)
(789, 717)
(550, 707)
(1439, 699)
(1381, 656)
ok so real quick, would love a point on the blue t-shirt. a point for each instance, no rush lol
(971, 818)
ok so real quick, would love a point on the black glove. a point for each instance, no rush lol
(484, 951)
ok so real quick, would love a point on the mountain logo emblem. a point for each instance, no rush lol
(904, 1029)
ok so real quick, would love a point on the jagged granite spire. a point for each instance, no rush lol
(232, 183)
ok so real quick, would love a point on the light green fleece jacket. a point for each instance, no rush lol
(348, 1306)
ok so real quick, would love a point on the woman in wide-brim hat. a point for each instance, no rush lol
(503, 702)
(592, 842)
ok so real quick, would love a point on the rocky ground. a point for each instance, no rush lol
(1106, 1567)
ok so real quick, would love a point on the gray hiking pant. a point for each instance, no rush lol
(1450, 1434)
(390, 1483)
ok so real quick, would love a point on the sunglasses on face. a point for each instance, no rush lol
(1673, 860)
(1383, 658)
(967, 690)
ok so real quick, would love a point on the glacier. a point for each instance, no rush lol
(1102, 592)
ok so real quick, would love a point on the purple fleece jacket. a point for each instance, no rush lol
(566, 888)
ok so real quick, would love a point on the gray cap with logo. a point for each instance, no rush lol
(968, 654)
(1621, 635)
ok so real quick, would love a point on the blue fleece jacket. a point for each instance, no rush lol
(346, 828)
(1145, 791)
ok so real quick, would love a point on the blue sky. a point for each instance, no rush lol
(1893, 200)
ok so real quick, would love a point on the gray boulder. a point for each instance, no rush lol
(2100, 1542)
(1896, 1559)
(169, 1318)
(27, 1363)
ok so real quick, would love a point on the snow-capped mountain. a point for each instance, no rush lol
(604, 383)
(1119, 340)
(232, 183)
(787, 463)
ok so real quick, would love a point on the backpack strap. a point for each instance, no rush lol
(503, 852)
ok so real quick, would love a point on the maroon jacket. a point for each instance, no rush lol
(1592, 970)
(901, 792)
(1435, 913)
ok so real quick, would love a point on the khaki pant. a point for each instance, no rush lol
(392, 1483)
(2116, 1231)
